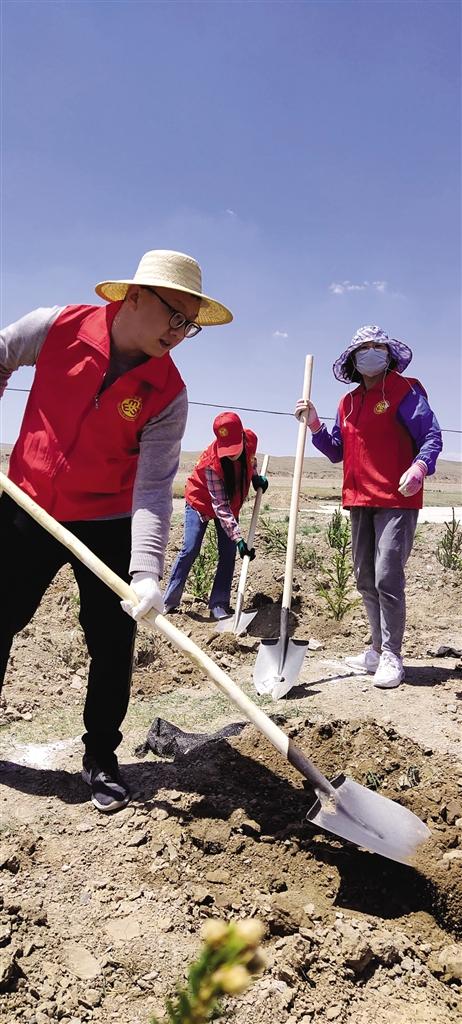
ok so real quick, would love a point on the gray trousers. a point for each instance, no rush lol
(382, 541)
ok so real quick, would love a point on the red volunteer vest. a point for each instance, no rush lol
(77, 450)
(197, 493)
(377, 449)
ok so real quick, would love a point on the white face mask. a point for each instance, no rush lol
(371, 361)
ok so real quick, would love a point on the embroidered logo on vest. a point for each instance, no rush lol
(223, 431)
(381, 406)
(129, 408)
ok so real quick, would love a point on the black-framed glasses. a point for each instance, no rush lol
(177, 321)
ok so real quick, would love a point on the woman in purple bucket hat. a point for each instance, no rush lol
(389, 440)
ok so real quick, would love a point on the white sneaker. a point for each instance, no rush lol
(365, 663)
(390, 671)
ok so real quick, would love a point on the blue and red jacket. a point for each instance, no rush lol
(378, 434)
(197, 493)
(78, 447)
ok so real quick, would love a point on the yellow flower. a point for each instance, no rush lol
(214, 932)
(232, 979)
(257, 963)
(205, 992)
(250, 932)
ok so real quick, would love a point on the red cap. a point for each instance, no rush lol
(229, 433)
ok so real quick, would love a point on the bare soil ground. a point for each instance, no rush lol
(99, 916)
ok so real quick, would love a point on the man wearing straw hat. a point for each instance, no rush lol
(98, 449)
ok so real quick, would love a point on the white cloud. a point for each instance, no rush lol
(340, 287)
(231, 213)
(280, 334)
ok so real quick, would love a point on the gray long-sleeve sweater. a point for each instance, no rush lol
(160, 442)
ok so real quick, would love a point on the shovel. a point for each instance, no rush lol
(345, 808)
(241, 620)
(279, 661)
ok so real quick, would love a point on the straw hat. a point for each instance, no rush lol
(401, 353)
(162, 268)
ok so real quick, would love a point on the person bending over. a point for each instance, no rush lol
(216, 490)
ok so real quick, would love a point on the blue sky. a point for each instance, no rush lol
(307, 154)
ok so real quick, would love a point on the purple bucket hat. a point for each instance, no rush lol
(400, 352)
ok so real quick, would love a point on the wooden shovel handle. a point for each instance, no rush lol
(252, 528)
(155, 621)
(298, 469)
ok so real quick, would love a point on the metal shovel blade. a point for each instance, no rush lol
(370, 820)
(235, 626)
(274, 673)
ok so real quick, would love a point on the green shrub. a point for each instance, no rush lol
(307, 528)
(273, 534)
(227, 964)
(449, 550)
(335, 580)
(306, 557)
(338, 531)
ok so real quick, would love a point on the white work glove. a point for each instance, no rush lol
(150, 596)
(312, 420)
(412, 480)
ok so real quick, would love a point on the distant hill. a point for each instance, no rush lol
(448, 476)
(282, 465)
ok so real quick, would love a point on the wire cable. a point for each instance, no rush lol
(247, 408)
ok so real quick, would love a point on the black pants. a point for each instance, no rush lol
(29, 561)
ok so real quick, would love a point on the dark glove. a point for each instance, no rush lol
(244, 550)
(260, 481)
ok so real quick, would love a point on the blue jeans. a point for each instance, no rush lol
(194, 529)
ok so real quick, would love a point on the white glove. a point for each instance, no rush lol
(150, 596)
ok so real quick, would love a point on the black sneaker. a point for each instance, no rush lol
(109, 792)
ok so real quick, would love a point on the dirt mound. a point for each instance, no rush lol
(418, 778)
(219, 831)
